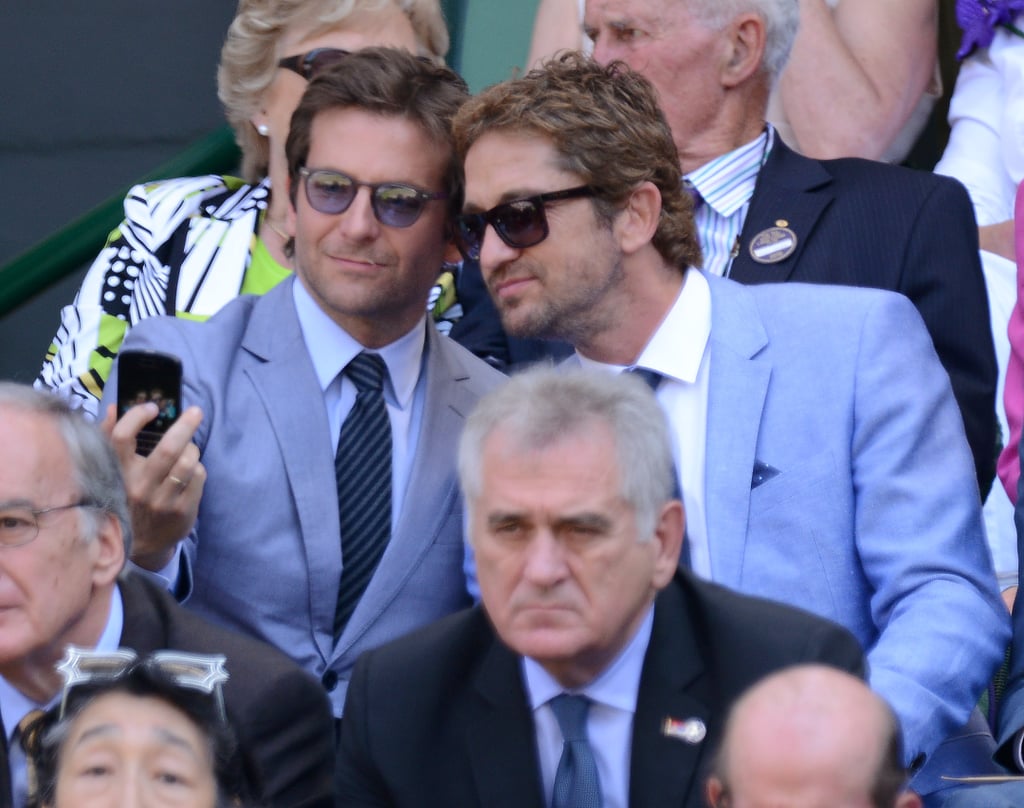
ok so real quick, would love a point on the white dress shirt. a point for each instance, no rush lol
(678, 350)
(609, 722)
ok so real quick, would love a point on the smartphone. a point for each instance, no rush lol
(149, 376)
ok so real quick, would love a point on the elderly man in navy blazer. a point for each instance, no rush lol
(821, 456)
(331, 519)
(596, 674)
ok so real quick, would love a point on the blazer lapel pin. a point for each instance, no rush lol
(774, 244)
(690, 730)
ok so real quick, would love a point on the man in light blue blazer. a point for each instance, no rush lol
(372, 178)
(821, 455)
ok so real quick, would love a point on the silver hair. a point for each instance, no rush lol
(543, 405)
(781, 19)
(248, 60)
(94, 465)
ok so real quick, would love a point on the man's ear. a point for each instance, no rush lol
(908, 799)
(745, 49)
(637, 222)
(668, 534)
(107, 550)
(452, 255)
(713, 790)
(289, 219)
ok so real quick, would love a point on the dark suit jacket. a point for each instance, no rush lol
(281, 714)
(864, 223)
(440, 717)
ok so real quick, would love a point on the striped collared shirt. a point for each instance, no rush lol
(726, 185)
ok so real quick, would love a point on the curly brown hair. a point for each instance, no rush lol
(606, 126)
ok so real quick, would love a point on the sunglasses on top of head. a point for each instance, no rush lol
(520, 223)
(308, 65)
(312, 64)
(394, 203)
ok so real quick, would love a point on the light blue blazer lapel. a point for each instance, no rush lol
(284, 380)
(432, 491)
(740, 372)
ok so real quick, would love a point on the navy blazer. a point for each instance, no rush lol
(441, 717)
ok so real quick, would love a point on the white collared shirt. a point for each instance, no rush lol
(678, 350)
(14, 705)
(609, 722)
(727, 185)
(331, 349)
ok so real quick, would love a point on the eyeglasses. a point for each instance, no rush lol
(394, 204)
(19, 524)
(309, 65)
(520, 223)
(83, 667)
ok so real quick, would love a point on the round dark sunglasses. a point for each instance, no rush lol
(311, 64)
(394, 204)
(520, 223)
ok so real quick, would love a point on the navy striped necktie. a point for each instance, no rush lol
(362, 466)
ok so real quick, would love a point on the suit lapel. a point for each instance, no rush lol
(790, 188)
(143, 630)
(740, 371)
(432, 491)
(500, 736)
(280, 369)
(664, 769)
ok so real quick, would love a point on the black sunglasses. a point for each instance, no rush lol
(520, 223)
(394, 204)
(311, 64)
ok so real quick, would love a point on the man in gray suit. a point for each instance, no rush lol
(292, 544)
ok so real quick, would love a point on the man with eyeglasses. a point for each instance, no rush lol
(330, 520)
(64, 536)
(820, 452)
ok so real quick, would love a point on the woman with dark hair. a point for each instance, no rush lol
(131, 732)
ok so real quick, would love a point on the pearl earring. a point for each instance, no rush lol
(263, 129)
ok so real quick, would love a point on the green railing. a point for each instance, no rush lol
(475, 52)
(80, 240)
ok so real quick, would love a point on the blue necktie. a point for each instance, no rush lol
(577, 784)
(362, 465)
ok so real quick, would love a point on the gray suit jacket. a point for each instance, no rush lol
(265, 553)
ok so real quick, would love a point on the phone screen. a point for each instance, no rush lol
(144, 376)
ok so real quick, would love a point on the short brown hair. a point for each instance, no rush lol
(392, 83)
(605, 124)
(248, 60)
